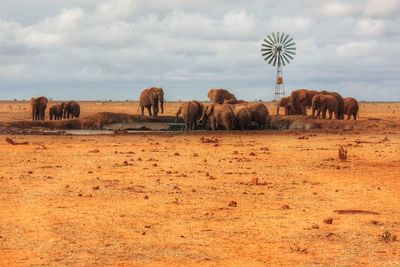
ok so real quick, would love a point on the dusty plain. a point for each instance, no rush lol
(203, 198)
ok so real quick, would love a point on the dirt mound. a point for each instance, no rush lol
(97, 121)
(309, 123)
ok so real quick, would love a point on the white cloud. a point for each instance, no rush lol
(370, 27)
(291, 24)
(194, 45)
(382, 8)
(339, 9)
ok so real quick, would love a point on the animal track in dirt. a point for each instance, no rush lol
(94, 151)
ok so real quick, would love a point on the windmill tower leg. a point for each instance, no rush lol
(279, 85)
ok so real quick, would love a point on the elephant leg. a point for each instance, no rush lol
(330, 114)
(149, 110)
(213, 123)
(323, 113)
(303, 109)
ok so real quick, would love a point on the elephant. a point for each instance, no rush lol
(300, 100)
(219, 115)
(339, 98)
(351, 108)
(71, 109)
(191, 112)
(39, 106)
(218, 96)
(285, 103)
(325, 103)
(56, 112)
(234, 101)
(149, 98)
(259, 114)
(242, 116)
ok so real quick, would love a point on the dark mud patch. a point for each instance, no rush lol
(118, 121)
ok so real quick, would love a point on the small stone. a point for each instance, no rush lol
(254, 181)
(96, 187)
(285, 207)
(232, 203)
(315, 226)
(146, 197)
(328, 221)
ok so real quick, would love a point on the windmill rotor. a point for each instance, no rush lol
(278, 49)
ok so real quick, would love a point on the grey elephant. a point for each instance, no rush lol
(219, 115)
(259, 114)
(191, 112)
(71, 109)
(39, 106)
(56, 112)
(242, 116)
(149, 99)
(325, 103)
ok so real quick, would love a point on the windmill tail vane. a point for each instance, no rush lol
(277, 50)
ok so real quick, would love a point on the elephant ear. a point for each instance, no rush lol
(209, 109)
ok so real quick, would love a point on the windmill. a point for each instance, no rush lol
(278, 49)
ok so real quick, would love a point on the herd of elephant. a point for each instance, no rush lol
(320, 102)
(65, 110)
(225, 111)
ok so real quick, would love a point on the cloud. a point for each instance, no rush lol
(382, 8)
(370, 27)
(339, 9)
(80, 47)
(290, 24)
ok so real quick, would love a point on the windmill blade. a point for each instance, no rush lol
(288, 41)
(270, 39)
(268, 46)
(290, 48)
(285, 58)
(268, 57)
(266, 49)
(290, 52)
(277, 37)
(273, 36)
(275, 59)
(291, 44)
(284, 40)
(279, 60)
(266, 53)
(289, 56)
(282, 35)
(268, 42)
(272, 58)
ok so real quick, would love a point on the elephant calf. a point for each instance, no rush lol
(351, 108)
(56, 112)
(285, 103)
(191, 112)
(323, 103)
(71, 109)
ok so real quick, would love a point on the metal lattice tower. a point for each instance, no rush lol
(278, 49)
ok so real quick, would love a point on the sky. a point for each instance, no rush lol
(97, 50)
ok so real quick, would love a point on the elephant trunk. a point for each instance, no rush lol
(162, 103)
